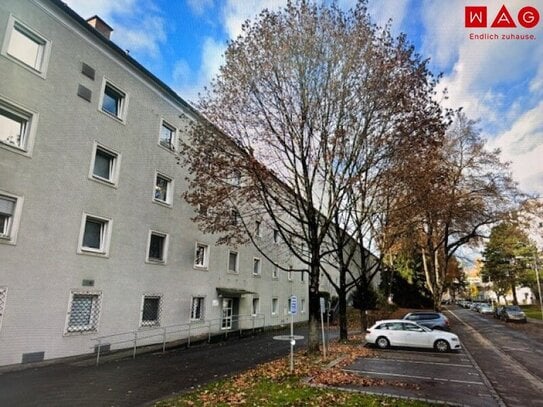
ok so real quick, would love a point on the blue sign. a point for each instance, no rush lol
(293, 305)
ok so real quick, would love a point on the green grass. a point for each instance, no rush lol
(290, 392)
(532, 311)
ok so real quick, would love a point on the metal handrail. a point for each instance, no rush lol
(147, 332)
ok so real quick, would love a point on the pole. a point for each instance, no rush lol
(538, 286)
(323, 338)
(291, 342)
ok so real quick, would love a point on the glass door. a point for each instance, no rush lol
(227, 310)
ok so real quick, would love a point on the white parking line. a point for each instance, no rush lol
(413, 377)
(422, 362)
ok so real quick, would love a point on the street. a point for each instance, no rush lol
(509, 354)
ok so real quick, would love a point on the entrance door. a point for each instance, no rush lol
(227, 311)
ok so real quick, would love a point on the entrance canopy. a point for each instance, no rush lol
(232, 292)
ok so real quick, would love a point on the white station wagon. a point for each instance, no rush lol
(400, 332)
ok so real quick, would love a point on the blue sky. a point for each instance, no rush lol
(498, 82)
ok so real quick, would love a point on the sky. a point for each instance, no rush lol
(497, 81)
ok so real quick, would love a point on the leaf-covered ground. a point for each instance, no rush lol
(311, 383)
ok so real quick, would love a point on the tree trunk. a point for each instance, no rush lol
(343, 334)
(314, 308)
(514, 289)
(363, 320)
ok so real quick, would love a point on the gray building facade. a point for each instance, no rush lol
(95, 238)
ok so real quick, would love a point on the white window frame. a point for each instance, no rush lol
(257, 264)
(205, 264)
(152, 260)
(274, 306)
(201, 300)
(114, 180)
(258, 229)
(275, 273)
(289, 276)
(96, 312)
(236, 271)
(123, 104)
(31, 121)
(302, 305)
(255, 310)
(151, 323)
(105, 235)
(175, 131)
(16, 25)
(12, 226)
(3, 301)
(169, 192)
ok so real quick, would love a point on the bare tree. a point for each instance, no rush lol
(304, 97)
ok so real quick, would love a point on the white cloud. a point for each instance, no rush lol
(382, 11)
(137, 25)
(236, 12)
(522, 145)
(189, 83)
(198, 7)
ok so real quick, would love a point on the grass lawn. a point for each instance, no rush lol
(271, 384)
(532, 311)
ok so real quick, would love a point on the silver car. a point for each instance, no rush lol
(512, 313)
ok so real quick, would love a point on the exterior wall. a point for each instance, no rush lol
(44, 266)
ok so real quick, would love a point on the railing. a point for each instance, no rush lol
(149, 335)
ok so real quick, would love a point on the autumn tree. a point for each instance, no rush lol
(309, 101)
(452, 198)
(507, 257)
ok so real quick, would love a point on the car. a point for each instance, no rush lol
(401, 332)
(429, 319)
(512, 313)
(486, 308)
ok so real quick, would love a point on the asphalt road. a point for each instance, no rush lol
(139, 381)
(509, 354)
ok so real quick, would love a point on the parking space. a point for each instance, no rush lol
(449, 378)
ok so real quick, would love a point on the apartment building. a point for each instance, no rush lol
(95, 238)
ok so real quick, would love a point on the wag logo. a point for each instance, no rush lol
(525, 18)
(477, 17)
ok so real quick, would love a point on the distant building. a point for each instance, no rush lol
(95, 239)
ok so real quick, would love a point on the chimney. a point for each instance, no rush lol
(100, 25)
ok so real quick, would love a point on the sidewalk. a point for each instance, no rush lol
(140, 381)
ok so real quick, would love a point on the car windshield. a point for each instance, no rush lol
(513, 308)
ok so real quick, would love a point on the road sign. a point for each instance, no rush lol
(293, 305)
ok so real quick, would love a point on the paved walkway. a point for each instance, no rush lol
(135, 382)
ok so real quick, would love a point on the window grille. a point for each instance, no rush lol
(197, 309)
(84, 312)
(3, 298)
(150, 314)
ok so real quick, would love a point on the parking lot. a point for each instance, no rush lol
(449, 378)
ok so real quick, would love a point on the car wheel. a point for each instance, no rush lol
(382, 342)
(441, 345)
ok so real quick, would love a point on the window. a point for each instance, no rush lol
(234, 217)
(26, 46)
(275, 273)
(274, 306)
(258, 226)
(157, 247)
(289, 275)
(256, 266)
(302, 274)
(114, 101)
(150, 313)
(289, 304)
(302, 305)
(201, 255)
(16, 127)
(256, 306)
(163, 189)
(95, 235)
(197, 309)
(84, 312)
(104, 164)
(7, 211)
(233, 261)
(167, 136)
(275, 236)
